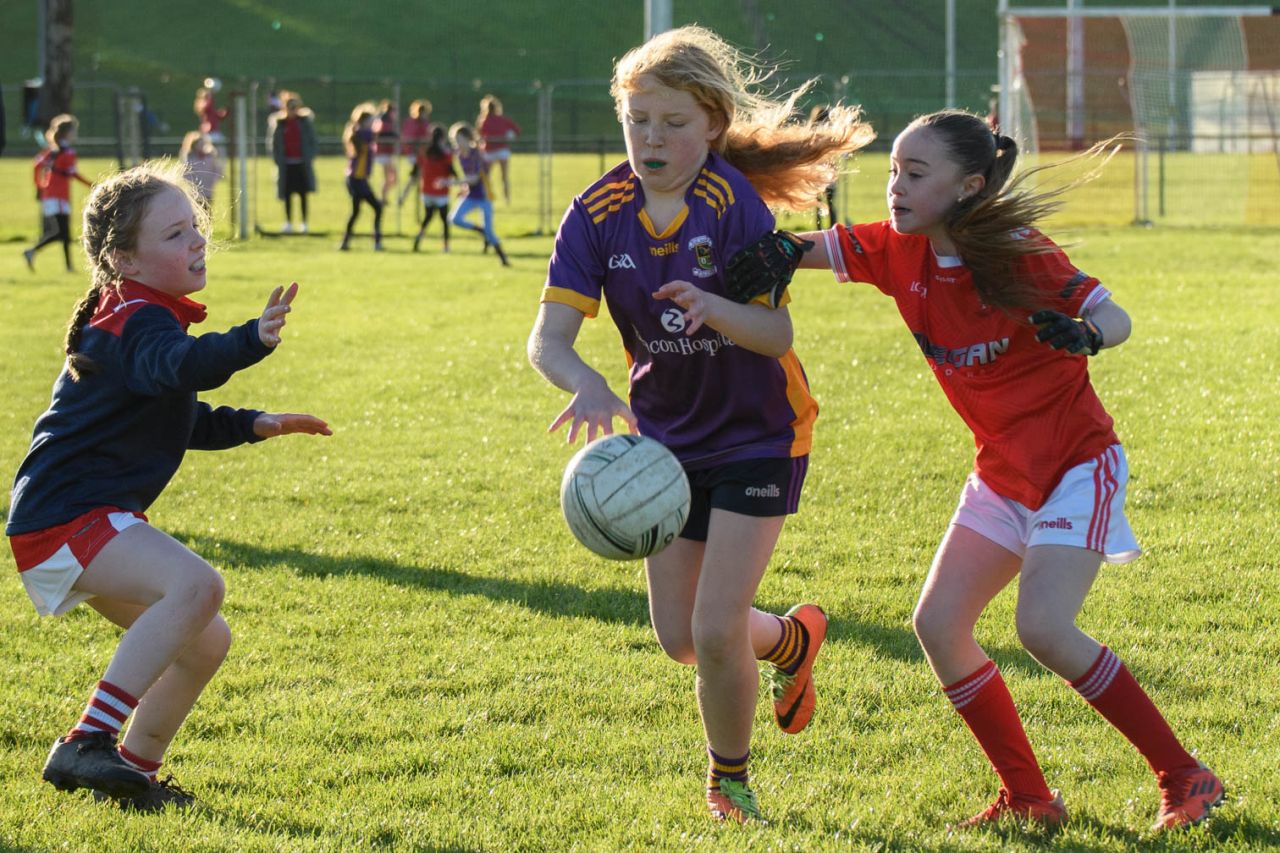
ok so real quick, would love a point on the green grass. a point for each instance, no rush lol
(424, 659)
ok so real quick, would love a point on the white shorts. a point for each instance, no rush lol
(435, 200)
(49, 581)
(384, 160)
(1085, 510)
(54, 206)
(497, 155)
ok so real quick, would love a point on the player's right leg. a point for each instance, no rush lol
(968, 571)
(165, 706)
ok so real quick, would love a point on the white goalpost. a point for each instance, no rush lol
(1182, 79)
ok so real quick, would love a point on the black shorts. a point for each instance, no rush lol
(761, 488)
(295, 179)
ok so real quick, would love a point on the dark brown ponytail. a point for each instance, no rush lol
(989, 229)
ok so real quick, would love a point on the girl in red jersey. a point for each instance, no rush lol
(54, 169)
(436, 172)
(1006, 322)
(497, 132)
(386, 146)
(717, 383)
(123, 414)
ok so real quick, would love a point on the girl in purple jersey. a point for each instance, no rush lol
(717, 382)
(123, 414)
(357, 139)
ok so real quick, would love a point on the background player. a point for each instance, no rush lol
(717, 383)
(357, 139)
(54, 169)
(477, 192)
(123, 414)
(436, 173)
(497, 132)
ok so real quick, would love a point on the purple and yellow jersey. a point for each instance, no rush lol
(473, 166)
(358, 165)
(708, 399)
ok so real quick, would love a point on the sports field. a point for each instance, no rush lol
(425, 659)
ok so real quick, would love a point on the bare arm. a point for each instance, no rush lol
(551, 353)
(817, 257)
(1112, 321)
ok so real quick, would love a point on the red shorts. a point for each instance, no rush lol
(51, 560)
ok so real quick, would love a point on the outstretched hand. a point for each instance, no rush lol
(596, 406)
(270, 426)
(273, 316)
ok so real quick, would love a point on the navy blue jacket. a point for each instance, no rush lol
(117, 436)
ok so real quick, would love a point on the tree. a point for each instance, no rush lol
(55, 92)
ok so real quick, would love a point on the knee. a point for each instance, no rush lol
(677, 644)
(714, 640)
(1041, 632)
(200, 591)
(210, 649)
(935, 628)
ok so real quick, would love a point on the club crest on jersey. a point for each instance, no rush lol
(701, 248)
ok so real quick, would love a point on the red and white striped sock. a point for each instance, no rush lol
(982, 699)
(142, 765)
(108, 708)
(1115, 694)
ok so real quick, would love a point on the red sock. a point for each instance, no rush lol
(108, 708)
(1115, 694)
(142, 765)
(983, 700)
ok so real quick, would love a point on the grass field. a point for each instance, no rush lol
(425, 659)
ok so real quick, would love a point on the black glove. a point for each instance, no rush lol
(1069, 333)
(766, 266)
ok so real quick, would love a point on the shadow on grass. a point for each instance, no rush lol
(608, 604)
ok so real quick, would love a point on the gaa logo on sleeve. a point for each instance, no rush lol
(705, 264)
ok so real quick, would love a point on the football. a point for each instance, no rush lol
(625, 496)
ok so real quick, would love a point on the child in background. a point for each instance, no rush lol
(476, 192)
(357, 139)
(386, 146)
(203, 167)
(54, 169)
(1006, 322)
(208, 113)
(123, 414)
(497, 132)
(293, 148)
(716, 382)
(436, 171)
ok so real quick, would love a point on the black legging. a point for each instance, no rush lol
(61, 231)
(431, 210)
(360, 192)
(288, 206)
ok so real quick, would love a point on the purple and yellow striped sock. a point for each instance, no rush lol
(789, 650)
(719, 768)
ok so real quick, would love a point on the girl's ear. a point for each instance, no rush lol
(973, 185)
(122, 263)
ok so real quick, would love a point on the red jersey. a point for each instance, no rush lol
(54, 169)
(435, 174)
(496, 132)
(1032, 409)
(414, 132)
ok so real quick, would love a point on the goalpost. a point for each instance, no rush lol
(1198, 86)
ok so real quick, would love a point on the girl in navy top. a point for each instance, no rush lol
(123, 413)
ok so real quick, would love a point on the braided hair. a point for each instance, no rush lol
(113, 216)
(989, 228)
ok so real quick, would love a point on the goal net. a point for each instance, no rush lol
(1198, 87)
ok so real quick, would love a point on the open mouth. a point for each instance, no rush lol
(654, 164)
(198, 266)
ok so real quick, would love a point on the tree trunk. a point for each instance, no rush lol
(55, 93)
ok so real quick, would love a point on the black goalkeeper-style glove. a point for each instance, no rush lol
(1069, 333)
(766, 266)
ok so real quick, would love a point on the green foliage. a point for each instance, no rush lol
(424, 659)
